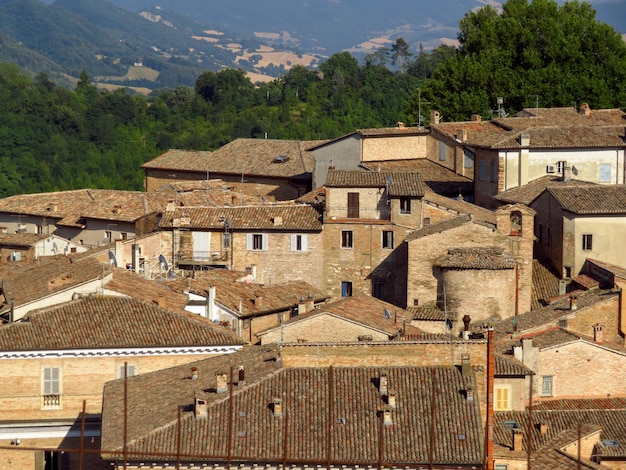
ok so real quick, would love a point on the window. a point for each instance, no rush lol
(563, 323)
(515, 220)
(405, 205)
(416, 302)
(501, 466)
(483, 170)
(605, 173)
(502, 398)
(567, 272)
(124, 236)
(226, 240)
(442, 151)
(50, 460)
(51, 387)
(378, 289)
(387, 239)
(298, 242)
(494, 173)
(560, 167)
(346, 289)
(468, 159)
(346, 239)
(587, 241)
(256, 242)
(108, 236)
(132, 370)
(426, 221)
(39, 229)
(353, 205)
(546, 386)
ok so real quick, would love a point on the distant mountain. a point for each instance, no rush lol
(149, 44)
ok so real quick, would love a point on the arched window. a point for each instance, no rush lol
(516, 223)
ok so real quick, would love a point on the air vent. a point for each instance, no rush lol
(281, 159)
(551, 169)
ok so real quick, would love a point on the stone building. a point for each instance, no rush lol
(367, 215)
(502, 292)
(274, 238)
(274, 169)
(55, 362)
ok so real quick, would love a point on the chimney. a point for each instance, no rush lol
(391, 400)
(222, 383)
(434, 117)
(598, 333)
(240, 306)
(524, 140)
(387, 416)
(383, 384)
(310, 302)
(161, 300)
(543, 429)
(476, 117)
(194, 373)
(277, 221)
(466, 368)
(258, 301)
(584, 110)
(469, 395)
(233, 200)
(200, 408)
(253, 272)
(573, 302)
(517, 440)
(277, 406)
(210, 303)
(400, 124)
(301, 306)
(242, 376)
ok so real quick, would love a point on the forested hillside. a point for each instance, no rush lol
(55, 138)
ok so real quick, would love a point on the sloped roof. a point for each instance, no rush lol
(25, 240)
(324, 407)
(256, 299)
(527, 193)
(242, 156)
(111, 322)
(366, 310)
(549, 314)
(427, 313)
(133, 285)
(399, 183)
(492, 258)
(547, 127)
(279, 217)
(508, 366)
(545, 285)
(26, 282)
(561, 416)
(68, 207)
(460, 206)
(591, 200)
(445, 225)
(437, 177)
(205, 193)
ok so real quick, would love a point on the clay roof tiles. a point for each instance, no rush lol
(597, 199)
(111, 322)
(242, 156)
(324, 407)
(491, 258)
(527, 193)
(399, 183)
(275, 217)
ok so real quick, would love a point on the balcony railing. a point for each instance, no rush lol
(52, 401)
(347, 212)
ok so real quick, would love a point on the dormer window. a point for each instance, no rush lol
(405, 205)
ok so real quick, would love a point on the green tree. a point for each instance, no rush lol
(400, 53)
(558, 55)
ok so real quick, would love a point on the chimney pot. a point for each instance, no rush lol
(387, 416)
(573, 302)
(278, 407)
(383, 384)
(517, 440)
(598, 333)
(200, 408)
(194, 373)
(222, 383)
(391, 400)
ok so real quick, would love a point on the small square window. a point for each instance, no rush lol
(346, 239)
(563, 323)
(416, 302)
(387, 239)
(587, 242)
(346, 289)
(426, 221)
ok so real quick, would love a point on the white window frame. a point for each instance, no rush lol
(250, 241)
(51, 387)
(132, 370)
(547, 386)
(299, 242)
(587, 242)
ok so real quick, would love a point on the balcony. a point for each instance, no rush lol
(366, 213)
(51, 402)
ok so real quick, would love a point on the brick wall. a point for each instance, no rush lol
(82, 379)
(396, 147)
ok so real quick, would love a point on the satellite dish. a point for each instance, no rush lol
(163, 263)
(574, 171)
(112, 260)
(387, 314)
(55, 247)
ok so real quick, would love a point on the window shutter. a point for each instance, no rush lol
(249, 245)
(294, 242)
(304, 243)
(264, 245)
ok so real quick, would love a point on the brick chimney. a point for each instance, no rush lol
(277, 406)
(434, 117)
(573, 302)
(387, 416)
(598, 333)
(242, 376)
(383, 384)
(476, 117)
(584, 110)
(200, 408)
(391, 400)
(517, 440)
(222, 383)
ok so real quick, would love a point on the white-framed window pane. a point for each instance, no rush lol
(298, 242)
(605, 173)
(51, 381)
(547, 386)
(587, 241)
(132, 370)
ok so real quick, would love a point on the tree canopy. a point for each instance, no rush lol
(530, 52)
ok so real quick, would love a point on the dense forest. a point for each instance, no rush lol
(53, 138)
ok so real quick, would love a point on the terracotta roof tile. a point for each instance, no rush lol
(443, 226)
(275, 217)
(545, 285)
(248, 156)
(203, 193)
(68, 207)
(111, 322)
(597, 199)
(492, 258)
(392, 131)
(427, 313)
(402, 184)
(508, 366)
(26, 240)
(457, 206)
(256, 299)
(527, 193)
(306, 395)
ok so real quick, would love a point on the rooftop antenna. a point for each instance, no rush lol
(420, 118)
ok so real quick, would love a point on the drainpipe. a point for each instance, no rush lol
(489, 460)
